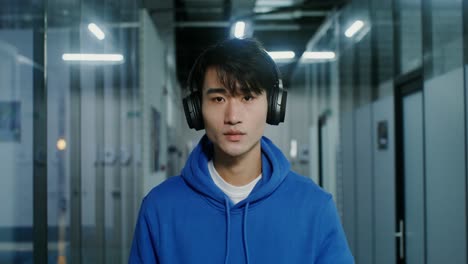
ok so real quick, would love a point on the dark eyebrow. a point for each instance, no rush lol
(216, 90)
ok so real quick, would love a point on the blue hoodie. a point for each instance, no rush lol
(286, 218)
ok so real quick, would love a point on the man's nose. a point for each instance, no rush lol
(233, 113)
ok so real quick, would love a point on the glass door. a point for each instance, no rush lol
(410, 229)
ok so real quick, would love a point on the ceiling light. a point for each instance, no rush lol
(96, 31)
(262, 6)
(280, 55)
(239, 29)
(319, 55)
(92, 57)
(354, 28)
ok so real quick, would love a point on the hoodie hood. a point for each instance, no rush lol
(275, 168)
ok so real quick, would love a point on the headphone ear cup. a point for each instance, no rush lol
(277, 104)
(193, 111)
(271, 106)
(277, 96)
(284, 96)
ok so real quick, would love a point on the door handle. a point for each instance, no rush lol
(400, 235)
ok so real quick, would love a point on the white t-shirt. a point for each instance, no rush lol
(235, 193)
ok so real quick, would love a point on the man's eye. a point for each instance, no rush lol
(248, 98)
(218, 99)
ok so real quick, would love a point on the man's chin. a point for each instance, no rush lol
(232, 151)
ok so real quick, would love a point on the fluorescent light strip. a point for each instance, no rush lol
(279, 55)
(319, 55)
(96, 31)
(354, 28)
(91, 57)
(239, 29)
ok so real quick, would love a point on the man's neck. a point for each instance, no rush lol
(241, 170)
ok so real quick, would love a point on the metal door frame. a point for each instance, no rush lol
(405, 85)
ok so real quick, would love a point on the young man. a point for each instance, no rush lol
(236, 200)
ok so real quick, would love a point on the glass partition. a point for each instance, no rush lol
(409, 35)
(69, 130)
(93, 109)
(445, 45)
(21, 155)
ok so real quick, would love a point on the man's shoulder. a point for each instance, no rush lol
(167, 190)
(306, 187)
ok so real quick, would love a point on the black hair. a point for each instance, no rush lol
(241, 62)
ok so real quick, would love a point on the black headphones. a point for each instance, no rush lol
(276, 100)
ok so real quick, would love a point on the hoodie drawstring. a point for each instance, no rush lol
(244, 232)
(228, 227)
(246, 247)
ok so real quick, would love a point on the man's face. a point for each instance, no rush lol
(233, 122)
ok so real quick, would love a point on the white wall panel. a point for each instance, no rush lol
(384, 184)
(445, 168)
(349, 178)
(364, 185)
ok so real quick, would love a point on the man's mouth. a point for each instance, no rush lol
(233, 131)
(234, 135)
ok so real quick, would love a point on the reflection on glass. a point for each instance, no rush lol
(354, 28)
(410, 34)
(383, 28)
(92, 49)
(18, 27)
(446, 36)
(93, 129)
